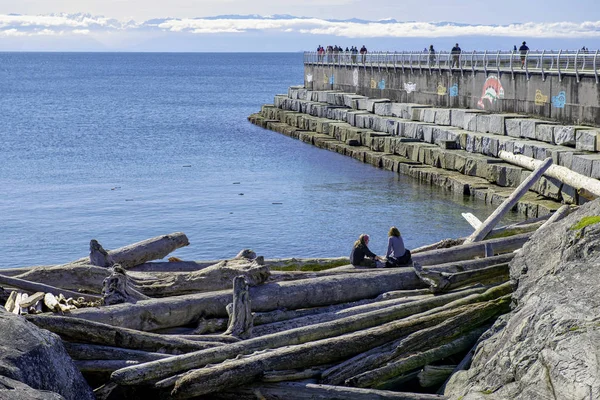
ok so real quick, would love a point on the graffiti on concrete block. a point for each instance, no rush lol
(381, 84)
(331, 80)
(492, 91)
(309, 78)
(355, 77)
(410, 87)
(560, 100)
(325, 79)
(373, 83)
(540, 98)
(441, 90)
(454, 90)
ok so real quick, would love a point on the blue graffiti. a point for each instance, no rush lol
(559, 100)
(331, 80)
(454, 90)
(381, 84)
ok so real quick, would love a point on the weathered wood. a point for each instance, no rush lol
(559, 214)
(563, 174)
(211, 325)
(10, 303)
(210, 338)
(291, 375)
(78, 330)
(246, 370)
(471, 250)
(311, 391)
(216, 277)
(162, 313)
(116, 288)
(400, 294)
(39, 287)
(32, 300)
(442, 244)
(481, 232)
(81, 351)
(472, 220)
(51, 302)
(106, 366)
(441, 281)
(378, 356)
(470, 265)
(240, 315)
(379, 376)
(74, 277)
(162, 368)
(435, 375)
(334, 315)
(147, 250)
(99, 256)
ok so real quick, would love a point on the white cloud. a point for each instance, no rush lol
(86, 24)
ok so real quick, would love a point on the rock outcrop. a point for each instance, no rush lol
(38, 359)
(548, 346)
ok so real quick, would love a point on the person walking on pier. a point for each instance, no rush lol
(361, 256)
(354, 52)
(431, 55)
(456, 55)
(523, 50)
(397, 255)
(363, 52)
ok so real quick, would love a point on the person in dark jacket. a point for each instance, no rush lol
(523, 50)
(456, 55)
(397, 255)
(361, 255)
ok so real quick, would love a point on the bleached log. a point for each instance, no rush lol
(78, 330)
(481, 232)
(210, 338)
(74, 277)
(380, 355)
(442, 244)
(471, 250)
(379, 376)
(559, 214)
(472, 220)
(345, 312)
(435, 375)
(10, 303)
(40, 287)
(116, 288)
(105, 366)
(99, 256)
(215, 277)
(240, 314)
(169, 312)
(399, 294)
(163, 368)
(246, 370)
(23, 310)
(32, 300)
(312, 391)
(563, 174)
(147, 250)
(291, 375)
(470, 265)
(51, 302)
(441, 281)
(81, 351)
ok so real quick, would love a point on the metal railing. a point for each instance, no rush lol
(578, 63)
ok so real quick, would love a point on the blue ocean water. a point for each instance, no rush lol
(121, 147)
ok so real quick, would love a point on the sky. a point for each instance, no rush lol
(186, 25)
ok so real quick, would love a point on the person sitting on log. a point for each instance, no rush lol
(397, 255)
(361, 256)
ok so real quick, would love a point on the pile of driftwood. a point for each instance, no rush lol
(250, 328)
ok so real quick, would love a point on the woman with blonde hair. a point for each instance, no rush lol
(360, 250)
(397, 255)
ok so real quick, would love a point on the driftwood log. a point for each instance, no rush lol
(240, 313)
(40, 287)
(245, 370)
(117, 289)
(78, 330)
(312, 391)
(487, 225)
(442, 281)
(163, 368)
(82, 351)
(147, 250)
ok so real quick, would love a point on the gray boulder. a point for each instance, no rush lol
(15, 390)
(548, 346)
(38, 359)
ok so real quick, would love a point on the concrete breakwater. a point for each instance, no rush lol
(453, 148)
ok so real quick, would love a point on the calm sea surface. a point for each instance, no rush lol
(124, 147)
